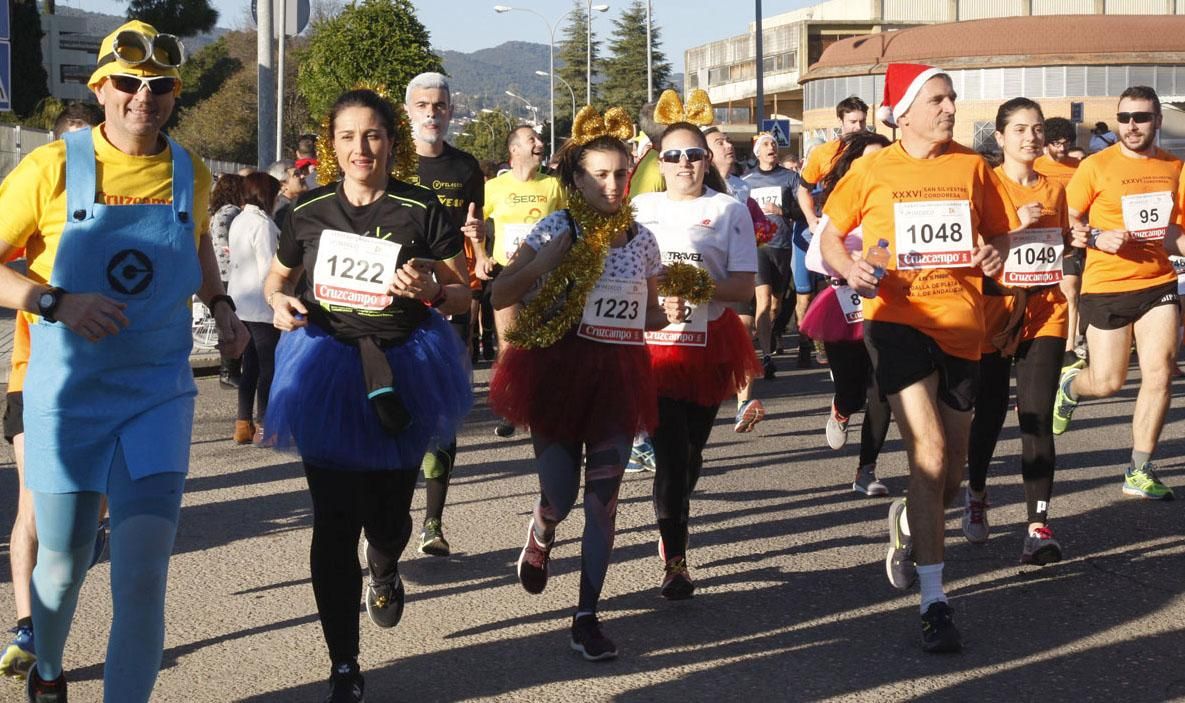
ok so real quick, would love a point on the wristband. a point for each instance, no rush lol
(222, 298)
(1093, 240)
(441, 296)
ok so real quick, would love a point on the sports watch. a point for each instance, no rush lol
(48, 301)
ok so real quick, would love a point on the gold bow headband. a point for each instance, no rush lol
(404, 162)
(590, 124)
(697, 110)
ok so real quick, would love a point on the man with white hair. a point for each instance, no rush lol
(457, 179)
(293, 182)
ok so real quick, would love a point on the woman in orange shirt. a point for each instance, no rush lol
(1025, 321)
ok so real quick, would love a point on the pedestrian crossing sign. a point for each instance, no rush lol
(778, 129)
(5, 77)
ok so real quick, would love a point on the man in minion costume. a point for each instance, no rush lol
(114, 224)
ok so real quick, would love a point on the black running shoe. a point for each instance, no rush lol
(767, 366)
(345, 684)
(504, 429)
(46, 691)
(939, 634)
(384, 602)
(804, 355)
(676, 580)
(588, 639)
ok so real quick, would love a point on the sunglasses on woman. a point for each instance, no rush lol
(1137, 117)
(693, 154)
(132, 48)
(157, 85)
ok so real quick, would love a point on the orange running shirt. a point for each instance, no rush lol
(1045, 311)
(819, 161)
(1058, 172)
(944, 303)
(1098, 189)
(20, 354)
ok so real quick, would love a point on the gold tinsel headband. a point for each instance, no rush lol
(590, 124)
(697, 110)
(404, 163)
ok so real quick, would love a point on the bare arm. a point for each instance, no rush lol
(656, 315)
(737, 288)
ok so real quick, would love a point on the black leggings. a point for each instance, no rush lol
(683, 430)
(1038, 365)
(345, 503)
(259, 366)
(855, 388)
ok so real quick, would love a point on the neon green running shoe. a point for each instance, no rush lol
(1144, 483)
(1063, 404)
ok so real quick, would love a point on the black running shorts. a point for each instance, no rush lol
(1112, 311)
(774, 268)
(14, 415)
(1073, 261)
(902, 356)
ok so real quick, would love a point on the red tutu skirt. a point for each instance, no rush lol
(825, 320)
(707, 375)
(576, 390)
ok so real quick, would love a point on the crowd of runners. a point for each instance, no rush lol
(631, 296)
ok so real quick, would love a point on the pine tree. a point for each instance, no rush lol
(625, 70)
(573, 54)
(30, 83)
(184, 18)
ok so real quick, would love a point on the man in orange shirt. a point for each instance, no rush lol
(1125, 206)
(1057, 165)
(926, 206)
(853, 117)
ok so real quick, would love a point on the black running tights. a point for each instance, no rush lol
(1038, 365)
(683, 430)
(345, 503)
(855, 388)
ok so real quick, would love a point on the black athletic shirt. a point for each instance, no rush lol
(457, 179)
(408, 215)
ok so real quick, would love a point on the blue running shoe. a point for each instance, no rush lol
(641, 457)
(20, 655)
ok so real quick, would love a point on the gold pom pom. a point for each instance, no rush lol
(669, 109)
(698, 109)
(691, 283)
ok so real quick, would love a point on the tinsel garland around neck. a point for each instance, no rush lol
(560, 303)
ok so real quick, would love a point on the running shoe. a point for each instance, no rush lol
(749, 414)
(1041, 548)
(504, 429)
(676, 580)
(820, 353)
(46, 691)
(867, 483)
(20, 655)
(899, 566)
(641, 457)
(345, 684)
(804, 355)
(837, 429)
(975, 519)
(432, 541)
(100, 550)
(939, 634)
(588, 639)
(770, 372)
(532, 562)
(384, 602)
(1144, 483)
(1063, 404)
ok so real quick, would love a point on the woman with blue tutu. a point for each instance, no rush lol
(368, 372)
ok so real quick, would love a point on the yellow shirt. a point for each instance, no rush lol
(515, 206)
(647, 178)
(33, 196)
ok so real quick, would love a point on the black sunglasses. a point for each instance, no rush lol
(157, 85)
(1137, 117)
(693, 154)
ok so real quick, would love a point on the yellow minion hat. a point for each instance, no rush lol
(108, 65)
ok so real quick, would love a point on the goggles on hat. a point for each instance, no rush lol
(131, 48)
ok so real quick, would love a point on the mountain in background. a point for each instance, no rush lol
(486, 74)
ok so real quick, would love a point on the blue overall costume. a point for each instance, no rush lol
(113, 417)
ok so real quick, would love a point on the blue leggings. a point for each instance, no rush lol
(143, 524)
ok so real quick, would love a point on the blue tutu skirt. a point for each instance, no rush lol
(318, 405)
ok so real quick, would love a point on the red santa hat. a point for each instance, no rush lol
(903, 82)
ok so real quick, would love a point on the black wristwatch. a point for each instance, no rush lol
(48, 301)
(222, 298)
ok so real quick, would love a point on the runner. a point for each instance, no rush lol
(851, 367)
(515, 201)
(852, 113)
(646, 176)
(773, 188)
(581, 380)
(706, 355)
(1025, 322)
(456, 178)
(108, 394)
(932, 202)
(368, 372)
(750, 410)
(1124, 205)
(1057, 165)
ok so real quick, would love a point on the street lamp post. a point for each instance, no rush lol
(488, 111)
(649, 56)
(567, 85)
(588, 46)
(529, 106)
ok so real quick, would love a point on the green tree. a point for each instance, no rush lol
(573, 54)
(485, 136)
(30, 83)
(184, 18)
(205, 72)
(378, 41)
(625, 70)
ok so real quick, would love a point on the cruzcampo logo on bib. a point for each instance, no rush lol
(1034, 257)
(355, 271)
(933, 234)
(1146, 215)
(615, 312)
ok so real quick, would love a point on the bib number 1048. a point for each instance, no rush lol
(927, 233)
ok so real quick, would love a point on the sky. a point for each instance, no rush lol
(684, 23)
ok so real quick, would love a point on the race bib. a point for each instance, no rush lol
(692, 332)
(851, 303)
(355, 271)
(1179, 266)
(513, 236)
(768, 195)
(615, 312)
(933, 234)
(1146, 216)
(1034, 258)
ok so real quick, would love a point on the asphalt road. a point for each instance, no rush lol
(792, 602)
